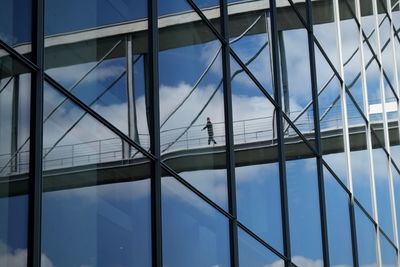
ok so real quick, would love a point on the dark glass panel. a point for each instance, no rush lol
(295, 69)
(16, 24)
(304, 216)
(256, 159)
(211, 10)
(72, 16)
(388, 253)
(194, 233)
(191, 90)
(249, 39)
(15, 82)
(366, 240)
(338, 218)
(252, 253)
(330, 113)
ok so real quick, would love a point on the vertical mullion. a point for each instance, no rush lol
(353, 228)
(320, 172)
(280, 137)
(229, 142)
(155, 136)
(36, 137)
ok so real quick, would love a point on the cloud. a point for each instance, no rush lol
(18, 257)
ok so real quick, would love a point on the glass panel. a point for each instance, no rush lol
(338, 217)
(351, 52)
(249, 38)
(252, 253)
(304, 216)
(192, 107)
(16, 24)
(91, 174)
(368, 27)
(257, 168)
(194, 233)
(359, 156)
(14, 160)
(295, 70)
(373, 90)
(381, 171)
(388, 253)
(394, 136)
(107, 224)
(69, 17)
(330, 112)
(105, 66)
(324, 30)
(211, 10)
(366, 246)
(396, 186)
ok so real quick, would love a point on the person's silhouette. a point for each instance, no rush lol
(210, 131)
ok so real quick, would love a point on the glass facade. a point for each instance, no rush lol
(199, 133)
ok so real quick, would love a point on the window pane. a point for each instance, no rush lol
(194, 233)
(14, 160)
(192, 129)
(96, 203)
(252, 253)
(366, 246)
(338, 218)
(99, 54)
(304, 216)
(388, 253)
(16, 24)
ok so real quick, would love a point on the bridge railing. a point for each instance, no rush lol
(112, 149)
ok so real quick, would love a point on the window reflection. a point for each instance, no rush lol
(366, 240)
(252, 253)
(302, 184)
(194, 233)
(16, 24)
(103, 225)
(192, 122)
(338, 218)
(388, 253)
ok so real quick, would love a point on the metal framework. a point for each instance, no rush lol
(39, 77)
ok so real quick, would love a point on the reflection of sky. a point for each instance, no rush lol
(304, 216)
(106, 225)
(194, 233)
(365, 239)
(258, 201)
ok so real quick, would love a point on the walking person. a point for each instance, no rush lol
(210, 131)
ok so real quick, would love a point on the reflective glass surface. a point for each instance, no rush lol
(194, 233)
(192, 129)
(366, 241)
(324, 29)
(338, 217)
(101, 57)
(249, 39)
(252, 253)
(16, 24)
(257, 168)
(388, 253)
(96, 200)
(381, 172)
(331, 122)
(14, 160)
(396, 186)
(295, 70)
(302, 183)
